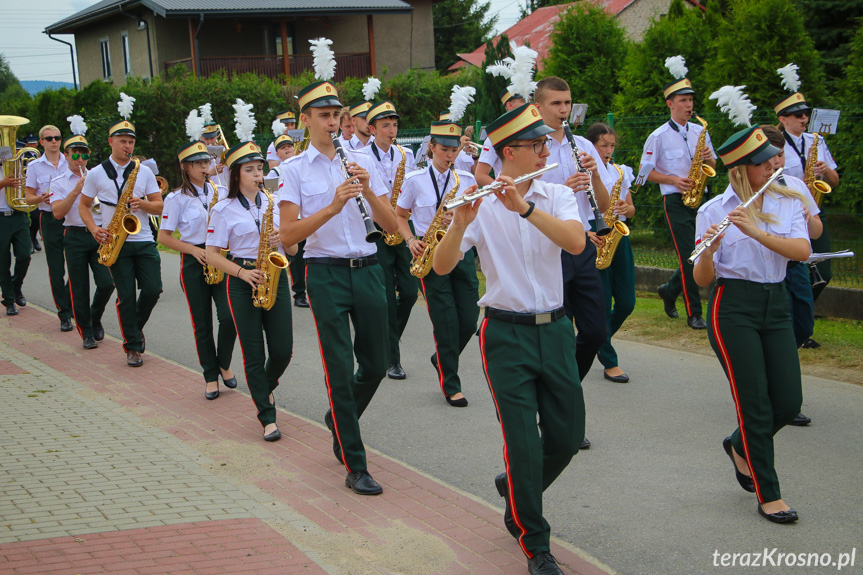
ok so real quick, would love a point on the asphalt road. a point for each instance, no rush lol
(654, 495)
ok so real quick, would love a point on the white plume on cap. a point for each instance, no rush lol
(677, 66)
(370, 88)
(125, 105)
(206, 113)
(790, 79)
(502, 68)
(77, 125)
(194, 126)
(324, 61)
(245, 124)
(459, 100)
(279, 128)
(735, 103)
(522, 71)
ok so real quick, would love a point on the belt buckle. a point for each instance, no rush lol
(543, 318)
(356, 262)
(7, 214)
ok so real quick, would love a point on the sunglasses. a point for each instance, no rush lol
(80, 156)
(52, 138)
(800, 115)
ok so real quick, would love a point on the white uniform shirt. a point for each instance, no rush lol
(613, 176)
(521, 265)
(232, 225)
(800, 186)
(671, 151)
(4, 206)
(741, 257)
(357, 144)
(561, 153)
(60, 189)
(188, 214)
(345, 143)
(41, 172)
(489, 156)
(387, 164)
(310, 181)
(278, 171)
(272, 156)
(464, 162)
(418, 194)
(98, 185)
(794, 159)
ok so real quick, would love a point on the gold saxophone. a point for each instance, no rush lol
(16, 167)
(422, 264)
(213, 275)
(818, 188)
(122, 223)
(269, 261)
(395, 238)
(605, 253)
(698, 171)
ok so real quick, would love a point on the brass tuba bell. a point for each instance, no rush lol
(16, 166)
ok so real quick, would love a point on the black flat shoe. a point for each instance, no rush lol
(789, 516)
(585, 444)
(362, 483)
(696, 322)
(211, 394)
(301, 302)
(623, 378)
(800, 421)
(396, 371)
(337, 449)
(744, 480)
(543, 563)
(273, 435)
(810, 344)
(434, 361)
(668, 301)
(36, 245)
(90, 343)
(66, 325)
(98, 331)
(508, 521)
(20, 299)
(461, 402)
(11, 309)
(230, 383)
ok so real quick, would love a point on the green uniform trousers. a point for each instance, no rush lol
(451, 302)
(341, 296)
(749, 327)
(825, 268)
(52, 236)
(530, 370)
(14, 234)
(82, 256)
(201, 296)
(297, 269)
(263, 368)
(138, 267)
(681, 224)
(402, 291)
(618, 279)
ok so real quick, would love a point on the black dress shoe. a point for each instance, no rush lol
(211, 394)
(143, 342)
(801, 420)
(66, 325)
(668, 301)
(585, 444)
(98, 331)
(90, 343)
(11, 309)
(508, 521)
(396, 371)
(36, 245)
(696, 322)
(461, 402)
(789, 516)
(543, 563)
(744, 480)
(133, 359)
(273, 435)
(20, 299)
(623, 378)
(810, 344)
(337, 449)
(434, 361)
(230, 383)
(362, 483)
(301, 301)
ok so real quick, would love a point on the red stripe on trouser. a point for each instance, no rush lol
(189, 303)
(440, 375)
(726, 361)
(71, 294)
(326, 374)
(242, 351)
(679, 259)
(515, 516)
(41, 212)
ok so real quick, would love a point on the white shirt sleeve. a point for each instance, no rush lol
(217, 231)
(170, 213)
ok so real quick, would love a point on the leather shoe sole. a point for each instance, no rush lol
(789, 516)
(362, 483)
(273, 435)
(337, 449)
(11, 309)
(669, 304)
(744, 480)
(396, 372)
(800, 421)
(696, 322)
(133, 359)
(90, 343)
(508, 522)
(623, 378)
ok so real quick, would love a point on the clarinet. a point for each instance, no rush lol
(602, 228)
(372, 233)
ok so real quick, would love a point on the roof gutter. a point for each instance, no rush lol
(197, 53)
(138, 23)
(71, 55)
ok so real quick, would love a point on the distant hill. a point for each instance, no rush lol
(36, 86)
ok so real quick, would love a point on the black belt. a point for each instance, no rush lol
(792, 264)
(349, 262)
(12, 213)
(245, 262)
(78, 229)
(524, 318)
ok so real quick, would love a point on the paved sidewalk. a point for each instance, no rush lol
(109, 469)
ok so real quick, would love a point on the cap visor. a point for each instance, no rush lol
(447, 141)
(325, 103)
(763, 155)
(793, 108)
(535, 132)
(198, 156)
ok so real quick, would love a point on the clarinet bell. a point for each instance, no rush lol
(602, 229)
(815, 277)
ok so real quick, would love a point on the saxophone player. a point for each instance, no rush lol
(451, 297)
(138, 266)
(393, 163)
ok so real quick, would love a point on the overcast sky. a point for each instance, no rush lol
(34, 56)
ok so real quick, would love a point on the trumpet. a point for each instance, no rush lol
(473, 148)
(493, 187)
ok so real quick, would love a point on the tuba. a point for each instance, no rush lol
(122, 223)
(422, 264)
(269, 260)
(698, 171)
(395, 239)
(213, 275)
(818, 188)
(605, 254)
(16, 167)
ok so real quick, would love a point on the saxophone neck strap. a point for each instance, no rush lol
(439, 194)
(111, 172)
(245, 203)
(802, 151)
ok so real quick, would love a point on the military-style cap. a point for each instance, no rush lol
(283, 140)
(242, 153)
(192, 152)
(446, 133)
(791, 104)
(76, 141)
(211, 130)
(321, 94)
(287, 117)
(380, 110)
(749, 146)
(123, 127)
(506, 96)
(360, 109)
(444, 116)
(523, 123)
(678, 87)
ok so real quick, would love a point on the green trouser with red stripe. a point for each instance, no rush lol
(341, 296)
(618, 279)
(52, 234)
(138, 268)
(530, 370)
(750, 330)
(402, 291)
(681, 224)
(201, 296)
(82, 256)
(263, 368)
(451, 301)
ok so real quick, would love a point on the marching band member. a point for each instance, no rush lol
(344, 283)
(669, 149)
(362, 137)
(346, 127)
(40, 173)
(14, 235)
(187, 211)
(32, 141)
(138, 266)
(240, 222)
(488, 159)
(289, 120)
(526, 342)
(79, 247)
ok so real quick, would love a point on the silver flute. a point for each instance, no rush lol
(726, 222)
(493, 187)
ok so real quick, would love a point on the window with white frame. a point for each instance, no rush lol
(105, 49)
(127, 60)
